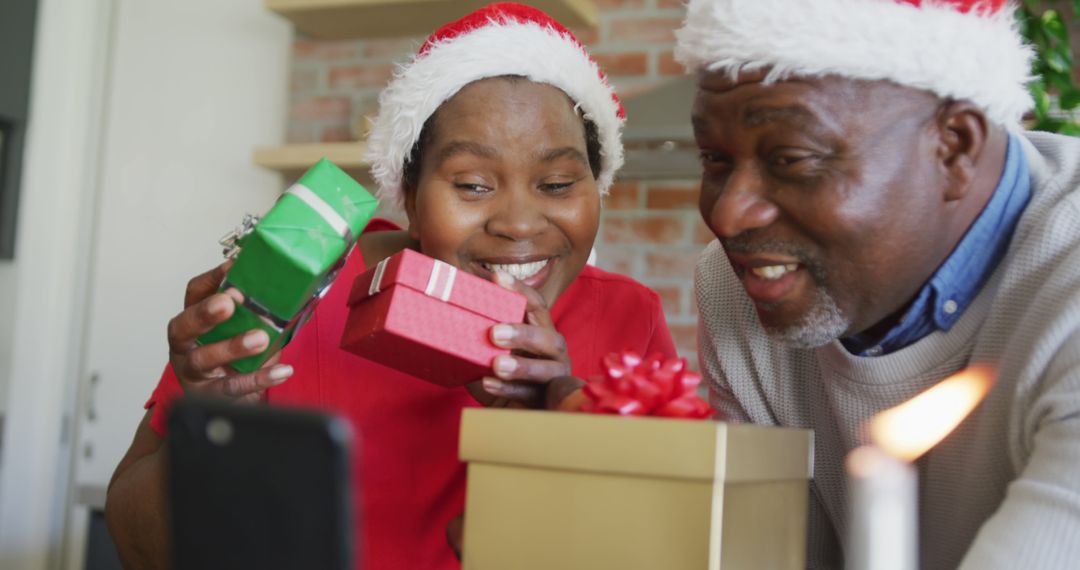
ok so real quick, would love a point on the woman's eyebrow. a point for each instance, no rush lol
(554, 154)
(454, 148)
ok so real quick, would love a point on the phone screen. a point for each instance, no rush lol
(259, 487)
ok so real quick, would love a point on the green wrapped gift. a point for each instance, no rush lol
(287, 260)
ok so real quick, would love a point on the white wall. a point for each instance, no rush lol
(142, 129)
(7, 313)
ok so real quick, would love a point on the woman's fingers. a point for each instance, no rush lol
(204, 359)
(198, 319)
(544, 342)
(206, 284)
(536, 307)
(252, 383)
(530, 394)
(534, 370)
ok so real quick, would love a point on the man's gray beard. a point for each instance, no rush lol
(822, 324)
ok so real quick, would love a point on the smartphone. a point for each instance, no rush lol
(259, 487)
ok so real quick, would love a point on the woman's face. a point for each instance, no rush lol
(505, 185)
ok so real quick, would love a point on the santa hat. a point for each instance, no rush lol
(501, 39)
(959, 49)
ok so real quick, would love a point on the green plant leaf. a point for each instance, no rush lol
(1042, 99)
(1053, 25)
(1069, 99)
(1069, 128)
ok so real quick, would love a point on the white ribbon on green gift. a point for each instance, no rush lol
(339, 225)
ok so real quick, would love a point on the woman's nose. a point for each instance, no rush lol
(516, 215)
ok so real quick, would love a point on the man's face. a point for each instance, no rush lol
(827, 195)
(505, 185)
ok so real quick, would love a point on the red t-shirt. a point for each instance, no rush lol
(411, 481)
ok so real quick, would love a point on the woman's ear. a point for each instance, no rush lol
(963, 132)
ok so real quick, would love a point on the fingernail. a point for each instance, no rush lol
(218, 305)
(505, 365)
(504, 279)
(255, 339)
(280, 373)
(235, 294)
(493, 386)
(501, 334)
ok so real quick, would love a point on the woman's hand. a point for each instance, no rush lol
(538, 365)
(205, 369)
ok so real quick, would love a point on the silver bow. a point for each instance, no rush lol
(229, 242)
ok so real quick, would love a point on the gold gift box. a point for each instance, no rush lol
(566, 491)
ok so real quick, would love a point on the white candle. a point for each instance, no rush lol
(882, 517)
(882, 485)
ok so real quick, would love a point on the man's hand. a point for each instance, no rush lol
(538, 357)
(205, 369)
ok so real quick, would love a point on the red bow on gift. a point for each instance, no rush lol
(633, 386)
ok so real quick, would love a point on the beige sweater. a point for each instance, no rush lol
(1001, 492)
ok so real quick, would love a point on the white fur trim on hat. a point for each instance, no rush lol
(536, 52)
(975, 56)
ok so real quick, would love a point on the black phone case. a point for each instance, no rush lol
(259, 487)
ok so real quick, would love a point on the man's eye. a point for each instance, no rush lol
(714, 159)
(791, 158)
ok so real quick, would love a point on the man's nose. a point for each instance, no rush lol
(738, 205)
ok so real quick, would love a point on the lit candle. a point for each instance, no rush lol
(882, 484)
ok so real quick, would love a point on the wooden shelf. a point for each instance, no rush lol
(354, 19)
(293, 159)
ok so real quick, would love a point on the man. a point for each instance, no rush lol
(883, 222)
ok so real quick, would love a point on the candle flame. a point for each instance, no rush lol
(912, 428)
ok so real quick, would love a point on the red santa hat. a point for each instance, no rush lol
(501, 39)
(959, 49)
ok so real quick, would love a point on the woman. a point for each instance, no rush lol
(499, 140)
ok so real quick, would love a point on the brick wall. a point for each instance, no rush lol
(650, 230)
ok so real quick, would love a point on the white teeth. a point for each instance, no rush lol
(517, 270)
(774, 271)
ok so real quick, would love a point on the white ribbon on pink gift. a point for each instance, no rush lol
(440, 282)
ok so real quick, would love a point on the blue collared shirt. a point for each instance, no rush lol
(944, 298)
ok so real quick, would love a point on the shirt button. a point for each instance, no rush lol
(949, 307)
(875, 351)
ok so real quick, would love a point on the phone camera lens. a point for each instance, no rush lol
(219, 431)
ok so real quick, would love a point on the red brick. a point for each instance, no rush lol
(623, 196)
(672, 198)
(653, 30)
(661, 229)
(664, 4)
(628, 91)
(393, 47)
(587, 36)
(324, 50)
(693, 312)
(671, 298)
(671, 264)
(666, 65)
(702, 233)
(619, 261)
(321, 108)
(621, 64)
(300, 133)
(303, 80)
(337, 133)
(360, 76)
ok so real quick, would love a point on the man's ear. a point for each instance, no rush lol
(410, 211)
(963, 133)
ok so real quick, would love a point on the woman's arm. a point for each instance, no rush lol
(135, 507)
